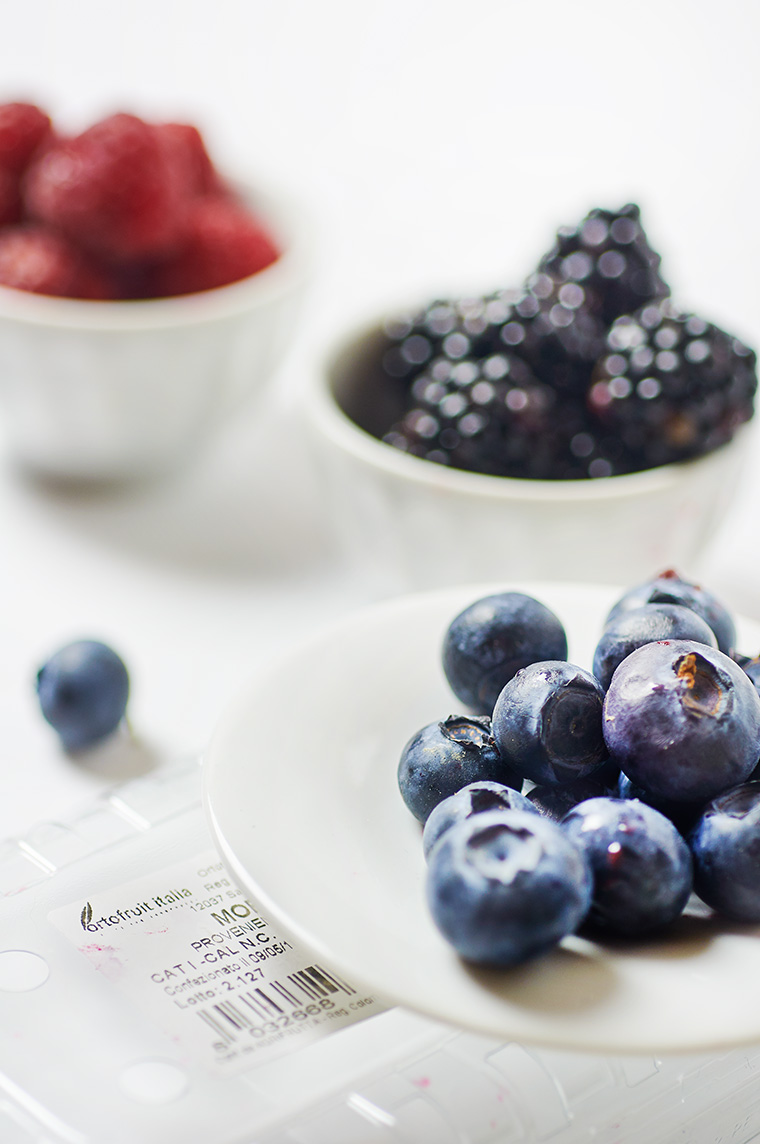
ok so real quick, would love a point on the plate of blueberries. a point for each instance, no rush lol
(531, 810)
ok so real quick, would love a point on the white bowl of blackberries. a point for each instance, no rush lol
(584, 416)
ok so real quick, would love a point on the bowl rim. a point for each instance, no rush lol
(331, 422)
(290, 221)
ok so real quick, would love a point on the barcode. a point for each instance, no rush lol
(259, 1011)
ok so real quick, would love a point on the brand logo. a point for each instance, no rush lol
(158, 903)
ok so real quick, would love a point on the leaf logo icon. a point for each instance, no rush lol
(86, 916)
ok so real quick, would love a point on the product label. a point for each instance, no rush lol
(201, 961)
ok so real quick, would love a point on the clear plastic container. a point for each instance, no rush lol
(100, 1046)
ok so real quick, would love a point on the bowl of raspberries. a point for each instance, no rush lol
(584, 420)
(143, 293)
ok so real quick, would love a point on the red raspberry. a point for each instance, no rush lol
(114, 189)
(224, 242)
(10, 197)
(22, 128)
(189, 150)
(35, 259)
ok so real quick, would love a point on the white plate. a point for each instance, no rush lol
(300, 788)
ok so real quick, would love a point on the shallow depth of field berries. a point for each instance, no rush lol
(589, 369)
(125, 210)
(626, 792)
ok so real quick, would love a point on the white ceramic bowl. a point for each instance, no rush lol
(112, 390)
(415, 524)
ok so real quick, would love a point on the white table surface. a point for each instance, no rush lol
(438, 146)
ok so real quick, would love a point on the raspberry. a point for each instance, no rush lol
(114, 189)
(22, 128)
(609, 255)
(188, 150)
(10, 197)
(671, 386)
(223, 243)
(37, 260)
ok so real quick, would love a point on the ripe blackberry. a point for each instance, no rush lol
(494, 416)
(486, 415)
(671, 386)
(609, 255)
(546, 323)
(550, 326)
(533, 383)
(450, 329)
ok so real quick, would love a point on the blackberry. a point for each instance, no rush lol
(584, 371)
(487, 416)
(547, 323)
(551, 327)
(450, 329)
(609, 255)
(671, 385)
(495, 417)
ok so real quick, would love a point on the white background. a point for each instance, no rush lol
(438, 146)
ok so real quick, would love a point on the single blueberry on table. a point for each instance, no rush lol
(475, 798)
(670, 588)
(682, 720)
(641, 865)
(443, 757)
(505, 886)
(487, 643)
(83, 691)
(547, 722)
(725, 845)
(633, 628)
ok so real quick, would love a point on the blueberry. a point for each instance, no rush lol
(547, 722)
(487, 643)
(554, 800)
(641, 866)
(725, 844)
(475, 798)
(683, 815)
(443, 757)
(670, 588)
(682, 720)
(751, 667)
(647, 624)
(505, 886)
(83, 690)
